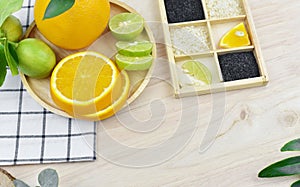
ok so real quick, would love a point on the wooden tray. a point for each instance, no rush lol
(39, 89)
(216, 27)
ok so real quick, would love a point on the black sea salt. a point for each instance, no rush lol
(184, 10)
(236, 66)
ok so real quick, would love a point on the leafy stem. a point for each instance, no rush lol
(46, 178)
(14, 44)
(286, 167)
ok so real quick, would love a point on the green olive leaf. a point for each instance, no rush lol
(296, 184)
(11, 59)
(57, 7)
(286, 167)
(7, 7)
(19, 183)
(48, 178)
(3, 64)
(291, 146)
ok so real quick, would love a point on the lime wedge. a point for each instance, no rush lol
(126, 26)
(134, 63)
(137, 48)
(198, 71)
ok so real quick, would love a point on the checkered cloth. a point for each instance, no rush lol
(29, 134)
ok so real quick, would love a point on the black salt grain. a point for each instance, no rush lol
(184, 10)
(236, 66)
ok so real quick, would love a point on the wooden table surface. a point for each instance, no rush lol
(223, 139)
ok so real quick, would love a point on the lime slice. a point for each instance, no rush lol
(134, 63)
(198, 71)
(126, 26)
(137, 48)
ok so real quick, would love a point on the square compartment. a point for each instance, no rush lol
(183, 11)
(219, 29)
(186, 80)
(190, 39)
(238, 65)
(217, 9)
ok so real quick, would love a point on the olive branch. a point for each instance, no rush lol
(286, 167)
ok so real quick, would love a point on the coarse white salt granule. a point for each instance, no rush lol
(224, 8)
(190, 39)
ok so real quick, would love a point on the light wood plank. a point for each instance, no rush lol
(255, 122)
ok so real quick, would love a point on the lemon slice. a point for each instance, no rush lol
(82, 83)
(134, 63)
(198, 71)
(119, 95)
(236, 37)
(136, 48)
(126, 26)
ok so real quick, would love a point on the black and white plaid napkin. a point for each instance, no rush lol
(29, 134)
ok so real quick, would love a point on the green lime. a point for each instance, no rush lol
(134, 63)
(198, 71)
(126, 26)
(136, 48)
(12, 28)
(36, 58)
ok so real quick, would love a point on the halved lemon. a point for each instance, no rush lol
(236, 37)
(82, 83)
(119, 96)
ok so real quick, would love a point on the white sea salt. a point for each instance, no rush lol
(189, 39)
(224, 8)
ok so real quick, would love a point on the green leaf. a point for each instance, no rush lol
(10, 56)
(286, 167)
(57, 7)
(13, 53)
(7, 7)
(3, 64)
(48, 178)
(19, 183)
(296, 184)
(291, 146)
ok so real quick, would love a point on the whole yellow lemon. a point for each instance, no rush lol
(76, 28)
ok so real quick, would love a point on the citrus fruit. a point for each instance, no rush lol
(12, 28)
(126, 26)
(134, 63)
(198, 71)
(76, 28)
(119, 96)
(36, 58)
(136, 48)
(236, 37)
(82, 83)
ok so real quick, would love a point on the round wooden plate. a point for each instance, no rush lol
(39, 89)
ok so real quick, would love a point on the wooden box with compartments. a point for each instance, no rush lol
(212, 46)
